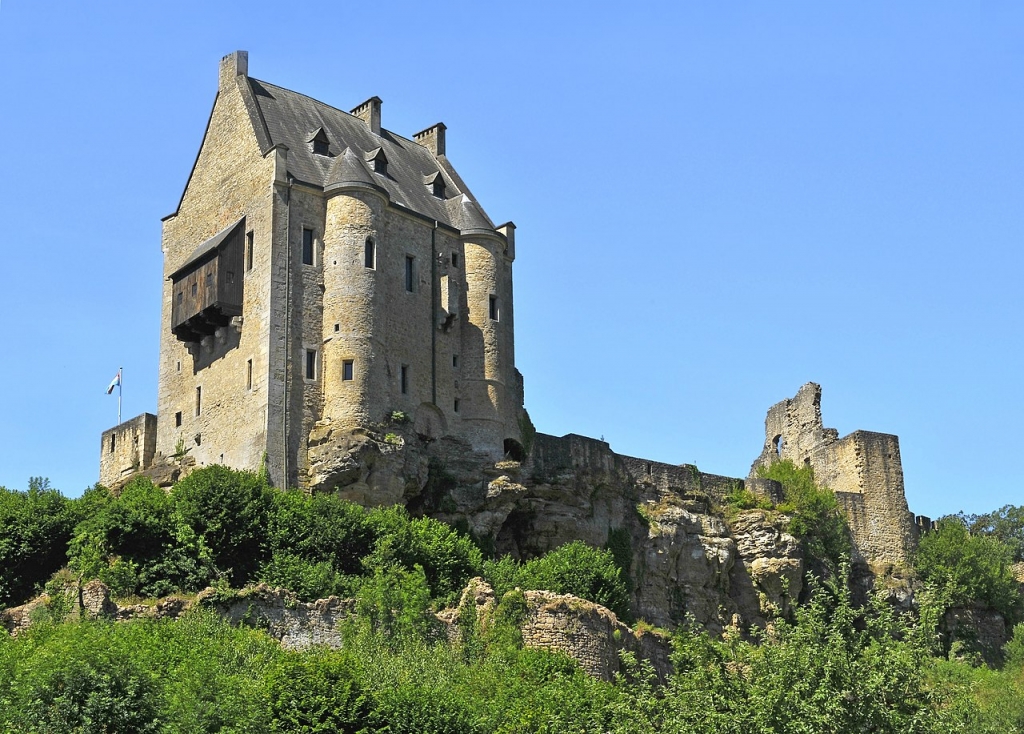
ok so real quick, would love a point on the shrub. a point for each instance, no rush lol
(317, 693)
(574, 568)
(817, 518)
(970, 568)
(228, 511)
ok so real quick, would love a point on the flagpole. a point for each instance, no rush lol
(120, 380)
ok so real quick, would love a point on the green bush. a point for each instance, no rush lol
(574, 568)
(229, 512)
(317, 693)
(1005, 524)
(133, 543)
(35, 527)
(969, 568)
(817, 518)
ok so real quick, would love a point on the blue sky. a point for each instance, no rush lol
(714, 205)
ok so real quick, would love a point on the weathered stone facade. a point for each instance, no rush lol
(367, 281)
(127, 448)
(863, 469)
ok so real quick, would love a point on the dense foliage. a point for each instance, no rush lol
(817, 518)
(1005, 524)
(574, 568)
(969, 568)
(835, 669)
(226, 526)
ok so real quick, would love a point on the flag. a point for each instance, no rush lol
(116, 382)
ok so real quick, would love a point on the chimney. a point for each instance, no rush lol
(369, 112)
(509, 230)
(232, 65)
(432, 138)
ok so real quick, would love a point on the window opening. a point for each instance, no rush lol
(347, 370)
(409, 259)
(177, 419)
(307, 247)
(405, 379)
(455, 360)
(455, 259)
(248, 250)
(113, 442)
(493, 308)
(248, 375)
(195, 289)
(369, 253)
(337, 327)
(320, 147)
(456, 405)
(310, 364)
(199, 400)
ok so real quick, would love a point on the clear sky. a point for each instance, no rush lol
(716, 202)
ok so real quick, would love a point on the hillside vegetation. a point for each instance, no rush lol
(833, 667)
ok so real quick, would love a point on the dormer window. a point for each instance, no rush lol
(378, 161)
(319, 143)
(435, 181)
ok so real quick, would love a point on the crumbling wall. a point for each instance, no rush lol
(863, 469)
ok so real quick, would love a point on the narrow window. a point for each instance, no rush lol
(346, 370)
(455, 259)
(456, 405)
(493, 308)
(248, 250)
(307, 247)
(179, 365)
(177, 419)
(409, 260)
(209, 281)
(199, 400)
(369, 253)
(248, 375)
(405, 379)
(455, 360)
(310, 364)
(337, 327)
(113, 442)
(180, 295)
(195, 289)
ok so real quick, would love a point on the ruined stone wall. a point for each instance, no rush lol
(863, 469)
(231, 180)
(127, 448)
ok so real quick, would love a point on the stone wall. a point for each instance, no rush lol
(225, 423)
(863, 469)
(127, 448)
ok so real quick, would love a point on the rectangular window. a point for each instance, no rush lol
(307, 247)
(199, 400)
(455, 360)
(409, 271)
(455, 259)
(310, 364)
(229, 276)
(248, 250)
(248, 375)
(347, 370)
(456, 405)
(405, 379)
(493, 307)
(113, 442)
(195, 289)
(369, 253)
(177, 419)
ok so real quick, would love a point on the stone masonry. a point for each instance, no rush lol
(863, 469)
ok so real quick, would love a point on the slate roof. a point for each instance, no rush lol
(206, 248)
(281, 116)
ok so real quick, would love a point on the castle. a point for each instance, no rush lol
(323, 270)
(325, 278)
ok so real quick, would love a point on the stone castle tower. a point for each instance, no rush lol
(321, 270)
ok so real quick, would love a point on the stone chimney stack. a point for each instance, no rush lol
(369, 112)
(232, 65)
(509, 230)
(432, 138)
